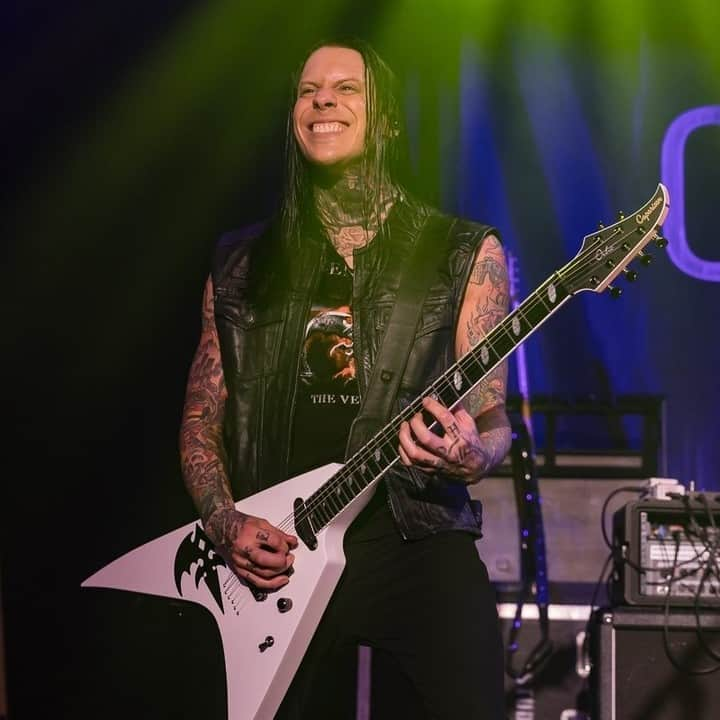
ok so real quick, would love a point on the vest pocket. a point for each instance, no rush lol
(252, 335)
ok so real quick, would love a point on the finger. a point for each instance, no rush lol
(425, 459)
(253, 578)
(444, 416)
(266, 537)
(261, 572)
(424, 436)
(404, 459)
(407, 444)
(433, 452)
(269, 560)
(276, 535)
(454, 450)
(258, 565)
(291, 540)
(463, 417)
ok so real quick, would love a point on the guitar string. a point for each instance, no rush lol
(573, 270)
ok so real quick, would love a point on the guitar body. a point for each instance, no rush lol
(257, 679)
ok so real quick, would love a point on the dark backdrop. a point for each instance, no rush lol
(134, 134)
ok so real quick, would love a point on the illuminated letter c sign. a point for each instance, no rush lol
(673, 176)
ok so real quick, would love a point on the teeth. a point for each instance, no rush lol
(327, 127)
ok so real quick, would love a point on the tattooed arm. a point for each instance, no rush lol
(477, 433)
(255, 550)
(484, 306)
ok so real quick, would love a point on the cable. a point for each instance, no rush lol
(625, 488)
(711, 564)
(666, 627)
(593, 601)
(533, 561)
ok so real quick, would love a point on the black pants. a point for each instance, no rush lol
(430, 605)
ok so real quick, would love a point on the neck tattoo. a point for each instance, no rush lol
(341, 208)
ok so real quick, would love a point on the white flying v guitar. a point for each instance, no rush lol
(264, 635)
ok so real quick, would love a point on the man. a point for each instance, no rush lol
(293, 318)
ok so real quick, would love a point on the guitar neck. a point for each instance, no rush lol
(378, 455)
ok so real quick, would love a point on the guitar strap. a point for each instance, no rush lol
(400, 331)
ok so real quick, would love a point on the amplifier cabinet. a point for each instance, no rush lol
(632, 673)
(574, 545)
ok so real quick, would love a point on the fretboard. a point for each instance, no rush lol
(381, 452)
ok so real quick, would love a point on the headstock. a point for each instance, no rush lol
(607, 253)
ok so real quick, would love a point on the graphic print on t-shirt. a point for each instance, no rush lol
(328, 361)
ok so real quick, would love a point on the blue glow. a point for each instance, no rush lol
(673, 176)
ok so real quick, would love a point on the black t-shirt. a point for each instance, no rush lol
(327, 398)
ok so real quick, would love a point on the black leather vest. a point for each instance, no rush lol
(260, 321)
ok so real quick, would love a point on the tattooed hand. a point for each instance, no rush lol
(254, 549)
(460, 453)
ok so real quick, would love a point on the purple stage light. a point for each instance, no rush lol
(673, 176)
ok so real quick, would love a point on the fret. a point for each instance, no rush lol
(534, 313)
(340, 490)
(501, 342)
(364, 475)
(447, 394)
(472, 367)
(374, 462)
(485, 354)
(354, 482)
(414, 407)
(318, 519)
(519, 325)
(329, 502)
(319, 503)
(388, 449)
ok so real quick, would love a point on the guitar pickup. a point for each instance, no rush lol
(302, 524)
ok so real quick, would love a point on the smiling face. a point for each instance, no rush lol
(330, 116)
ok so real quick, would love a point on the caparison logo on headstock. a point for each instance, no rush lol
(643, 217)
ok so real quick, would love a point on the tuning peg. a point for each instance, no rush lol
(615, 292)
(630, 274)
(645, 258)
(661, 241)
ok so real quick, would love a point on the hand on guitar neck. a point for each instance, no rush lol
(254, 549)
(461, 453)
